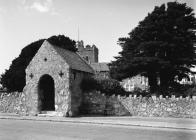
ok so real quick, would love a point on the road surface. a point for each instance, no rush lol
(47, 130)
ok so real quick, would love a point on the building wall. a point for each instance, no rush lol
(191, 80)
(102, 74)
(132, 83)
(89, 53)
(47, 61)
(76, 92)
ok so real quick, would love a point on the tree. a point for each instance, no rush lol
(106, 86)
(63, 42)
(160, 47)
(14, 78)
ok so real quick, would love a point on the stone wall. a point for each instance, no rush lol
(99, 104)
(95, 103)
(12, 103)
(76, 92)
(48, 62)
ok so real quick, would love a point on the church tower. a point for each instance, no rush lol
(89, 53)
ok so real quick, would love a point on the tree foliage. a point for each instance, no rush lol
(107, 86)
(63, 42)
(14, 78)
(160, 47)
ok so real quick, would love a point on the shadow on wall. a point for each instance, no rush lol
(95, 103)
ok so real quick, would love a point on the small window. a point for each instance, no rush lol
(74, 75)
(86, 58)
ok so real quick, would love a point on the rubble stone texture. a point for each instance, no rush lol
(89, 53)
(12, 103)
(97, 103)
(66, 69)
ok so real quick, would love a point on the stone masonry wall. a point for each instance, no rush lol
(95, 103)
(76, 92)
(12, 103)
(99, 104)
(48, 62)
(89, 51)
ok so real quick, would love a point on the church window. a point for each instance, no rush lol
(74, 75)
(86, 58)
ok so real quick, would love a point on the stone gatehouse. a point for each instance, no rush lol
(53, 80)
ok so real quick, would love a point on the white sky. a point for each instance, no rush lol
(100, 22)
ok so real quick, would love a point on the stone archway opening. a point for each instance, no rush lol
(46, 93)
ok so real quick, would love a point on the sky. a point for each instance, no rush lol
(99, 22)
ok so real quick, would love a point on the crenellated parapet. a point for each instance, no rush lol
(89, 53)
(134, 105)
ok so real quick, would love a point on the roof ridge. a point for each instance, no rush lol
(72, 59)
(84, 61)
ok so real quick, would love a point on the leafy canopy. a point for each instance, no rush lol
(14, 78)
(107, 86)
(160, 47)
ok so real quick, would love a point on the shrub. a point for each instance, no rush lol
(110, 87)
(88, 84)
(177, 90)
(191, 91)
(138, 91)
(107, 86)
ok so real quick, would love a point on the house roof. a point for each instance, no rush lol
(100, 67)
(73, 60)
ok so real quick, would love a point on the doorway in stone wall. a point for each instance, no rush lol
(46, 95)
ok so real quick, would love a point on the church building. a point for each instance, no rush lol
(91, 55)
(53, 80)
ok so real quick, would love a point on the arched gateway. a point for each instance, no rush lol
(46, 93)
(53, 80)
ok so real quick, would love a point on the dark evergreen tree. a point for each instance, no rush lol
(14, 78)
(160, 47)
(63, 42)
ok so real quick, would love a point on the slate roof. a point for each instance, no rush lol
(100, 67)
(74, 60)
